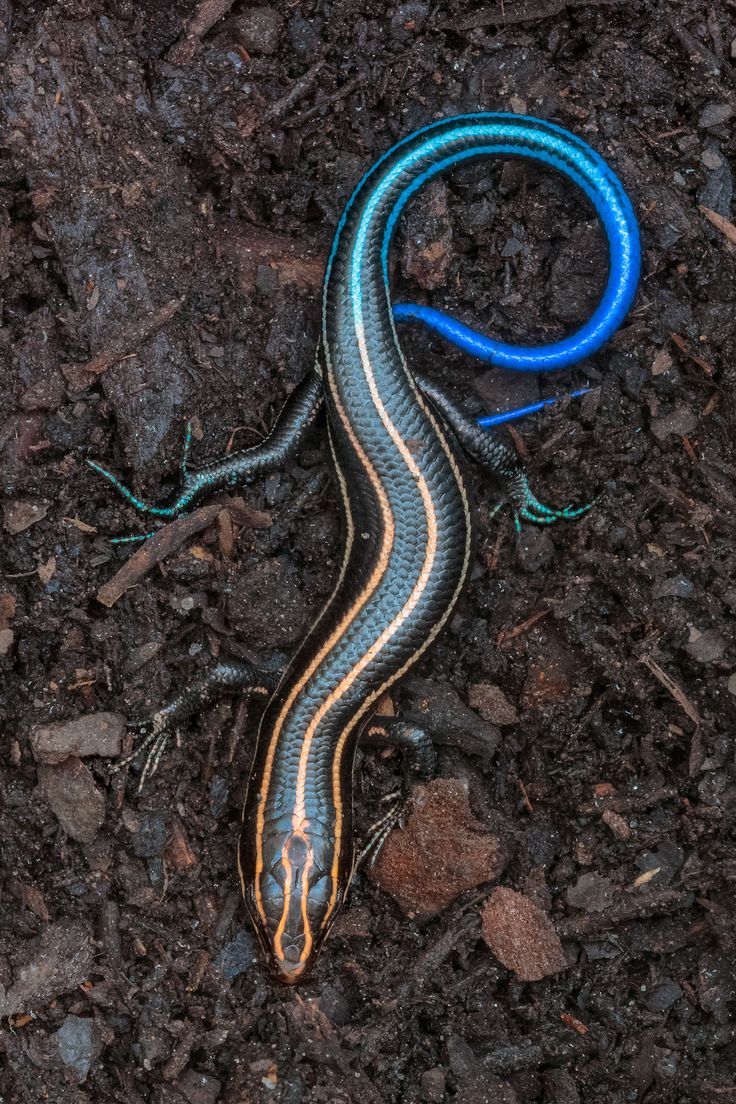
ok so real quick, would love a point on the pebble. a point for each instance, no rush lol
(705, 647)
(149, 837)
(74, 798)
(61, 961)
(441, 852)
(731, 684)
(714, 115)
(680, 421)
(591, 892)
(7, 639)
(78, 1044)
(20, 514)
(676, 587)
(522, 936)
(662, 362)
(663, 996)
(259, 30)
(492, 704)
(489, 1091)
(92, 734)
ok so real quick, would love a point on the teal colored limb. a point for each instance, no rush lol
(527, 507)
(135, 539)
(139, 504)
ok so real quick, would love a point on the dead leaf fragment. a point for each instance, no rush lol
(21, 514)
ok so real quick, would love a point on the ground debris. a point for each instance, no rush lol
(521, 935)
(74, 798)
(61, 960)
(155, 549)
(441, 852)
(93, 734)
(21, 514)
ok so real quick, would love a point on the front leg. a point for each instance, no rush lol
(226, 677)
(296, 417)
(497, 458)
(419, 761)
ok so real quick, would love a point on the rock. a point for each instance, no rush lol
(714, 115)
(7, 639)
(442, 851)
(680, 421)
(20, 514)
(149, 837)
(428, 240)
(62, 960)
(75, 800)
(522, 936)
(92, 734)
(705, 647)
(663, 996)
(440, 710)
(259, 30)
(78, 1044)
(591, 892)
(492, 704)
(676, 587)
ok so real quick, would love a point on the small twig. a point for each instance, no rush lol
(346, 90)
(683, 346)
(155, 549)
(300, 86)
(506, 636)
(127, 341)
(672, 688)
(726, 227)
(527, 803)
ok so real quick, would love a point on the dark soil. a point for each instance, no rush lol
(141, 167)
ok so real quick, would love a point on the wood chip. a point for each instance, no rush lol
(672, 688)
(166, 541)
(726, 227)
